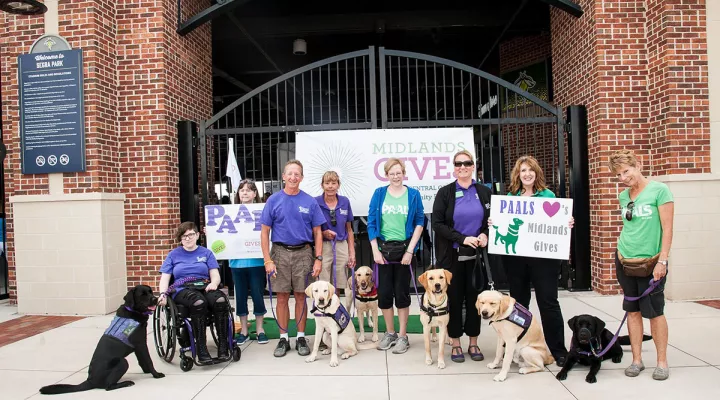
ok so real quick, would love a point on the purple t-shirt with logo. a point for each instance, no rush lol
(292, 218)
(343, 214)
(469, 212)
(181, 263)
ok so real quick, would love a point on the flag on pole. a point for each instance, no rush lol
(232, 171)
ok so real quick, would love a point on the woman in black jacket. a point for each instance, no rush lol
(459, 218)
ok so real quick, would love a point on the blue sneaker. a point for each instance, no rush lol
(262, 338)
(240, 338)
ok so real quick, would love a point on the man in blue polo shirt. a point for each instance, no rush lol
(295, 220)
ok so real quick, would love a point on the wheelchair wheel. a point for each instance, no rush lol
(186, 364)
(165, 323)
(237, 353)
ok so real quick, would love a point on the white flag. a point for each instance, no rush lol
(232, 171)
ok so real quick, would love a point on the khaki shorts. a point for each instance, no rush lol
(341, 249)
(292, 269)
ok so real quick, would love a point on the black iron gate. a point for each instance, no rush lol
(413, 91)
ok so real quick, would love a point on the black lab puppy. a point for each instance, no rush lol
(589, 334)
(127, 334)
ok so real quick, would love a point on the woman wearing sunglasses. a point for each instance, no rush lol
(527, 179)
(339, 217)
(459, 217)
(646, 236)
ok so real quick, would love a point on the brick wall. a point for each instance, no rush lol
(140, 78)
(639, 67)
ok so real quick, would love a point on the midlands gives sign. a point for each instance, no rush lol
(358, 156)
(530, 226)
(233, 230)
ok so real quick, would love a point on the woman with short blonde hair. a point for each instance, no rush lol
(647, 209)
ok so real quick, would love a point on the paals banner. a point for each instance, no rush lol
(530, 226)
(358, 156)
(233, 230)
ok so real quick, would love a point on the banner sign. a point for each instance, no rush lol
(233, 230)
(530, 226)
(52, 116)
(358, 156)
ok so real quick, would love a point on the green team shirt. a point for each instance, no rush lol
(394, 217)
(642, 237)
(542, 193)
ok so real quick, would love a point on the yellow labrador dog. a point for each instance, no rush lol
(365, 301)
(434, 311)
(518, 330)
(325, 311)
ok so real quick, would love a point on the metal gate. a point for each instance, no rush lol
(406, 90)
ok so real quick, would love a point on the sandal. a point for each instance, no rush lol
(475, 356)
(458, 358)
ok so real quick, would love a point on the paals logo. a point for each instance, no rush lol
(511, 238)
(525, 81)
(217, 246)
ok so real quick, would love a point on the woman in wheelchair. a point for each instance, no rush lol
(191, 267)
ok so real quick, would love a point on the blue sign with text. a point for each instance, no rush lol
(52, 113)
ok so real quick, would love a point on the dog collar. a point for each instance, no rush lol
(138, 312)
(433, 310)
(370, 296)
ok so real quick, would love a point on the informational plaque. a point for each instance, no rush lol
(52, 114)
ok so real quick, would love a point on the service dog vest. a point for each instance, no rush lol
(371, 296)
(521, 317)
(341, 316)
(121, 329)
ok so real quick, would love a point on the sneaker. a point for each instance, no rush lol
(241, 339)
(323, 346)
(302, 347)
(402, 345)
(282, 348)
(387, 341)
(634, 370)
(262, 338)
(660, 374)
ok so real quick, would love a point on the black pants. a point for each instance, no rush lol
(543, 274)
(462, 291)
(394, 284)
(201, 302)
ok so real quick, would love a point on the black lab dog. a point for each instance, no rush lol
(589, 334)
(127, 334)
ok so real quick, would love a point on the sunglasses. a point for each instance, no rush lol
(629, 212)
(459, 164)
(333, 220)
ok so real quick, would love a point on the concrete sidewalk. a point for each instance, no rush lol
(63, 354)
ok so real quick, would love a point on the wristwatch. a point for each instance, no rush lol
(319, 258)
(663, 262)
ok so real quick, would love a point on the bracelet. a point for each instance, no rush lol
(409, 252)
(269, 262)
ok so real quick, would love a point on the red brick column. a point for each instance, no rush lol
(140, 78)
(639, 68)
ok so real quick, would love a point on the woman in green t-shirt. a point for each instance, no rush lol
(527, 179)
(647, 210)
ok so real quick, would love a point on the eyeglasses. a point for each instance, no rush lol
(629, 212)
(468, 164)
(333, 220)
(188, 236)
(395, 174)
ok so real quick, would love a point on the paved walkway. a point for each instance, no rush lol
(63, 354)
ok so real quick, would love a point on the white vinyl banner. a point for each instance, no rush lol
(358, 157)
(233, 230)
(530, 226)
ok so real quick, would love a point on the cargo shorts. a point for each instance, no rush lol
(293, 267)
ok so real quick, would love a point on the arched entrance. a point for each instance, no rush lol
(383, 88)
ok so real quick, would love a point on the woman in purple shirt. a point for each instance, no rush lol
(459, 218)
(197, 264)
(338, 227)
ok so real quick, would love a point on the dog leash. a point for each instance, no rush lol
(479, 270)
(269, 280)
(653, 285)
